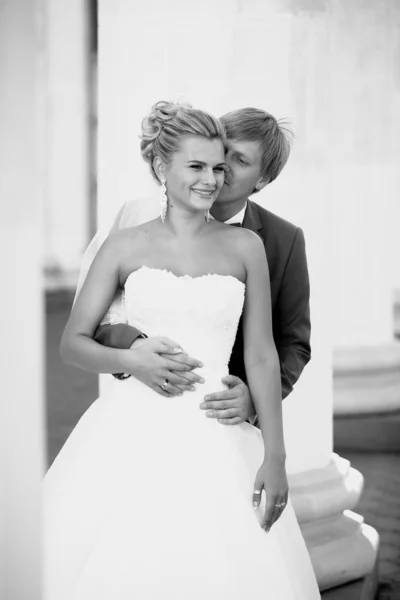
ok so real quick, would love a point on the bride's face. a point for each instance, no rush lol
(195, 175)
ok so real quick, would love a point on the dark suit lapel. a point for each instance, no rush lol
(252, 220)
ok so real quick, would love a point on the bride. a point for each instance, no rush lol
(148, 500)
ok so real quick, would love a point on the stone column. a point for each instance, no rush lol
(68, 169)
(257, 54)
(21, 355)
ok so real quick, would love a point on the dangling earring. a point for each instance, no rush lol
(163, 200)
(208, 217)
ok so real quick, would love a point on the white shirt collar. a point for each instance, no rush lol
(238, 218)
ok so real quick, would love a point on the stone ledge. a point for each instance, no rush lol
(396, 314)
(366, 359)
(58, 280)
(320, 493)
(366, 379)
(342, 548)
(361, 589)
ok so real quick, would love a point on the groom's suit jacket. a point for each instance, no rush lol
(290, 292)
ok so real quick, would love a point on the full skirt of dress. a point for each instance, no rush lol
(151, 500)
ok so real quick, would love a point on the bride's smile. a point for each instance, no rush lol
(195, 175)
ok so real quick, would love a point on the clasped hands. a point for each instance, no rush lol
(157, 360)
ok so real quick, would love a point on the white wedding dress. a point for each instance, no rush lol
(151, 500)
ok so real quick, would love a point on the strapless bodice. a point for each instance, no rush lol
(200, 313)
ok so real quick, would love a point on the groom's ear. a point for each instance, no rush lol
(159, 168)
(261, 183)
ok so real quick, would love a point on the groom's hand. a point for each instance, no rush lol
(158, 359)
(231, 406)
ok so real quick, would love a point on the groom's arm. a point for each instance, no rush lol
(119, 335)
(293, 340)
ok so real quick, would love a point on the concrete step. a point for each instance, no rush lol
(362, 589)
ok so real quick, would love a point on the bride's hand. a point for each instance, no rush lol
(271, 478)
(161, 364)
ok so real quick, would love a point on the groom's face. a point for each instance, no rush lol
(243, 171)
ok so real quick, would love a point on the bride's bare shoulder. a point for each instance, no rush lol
(124, 242)
(249, 243)
(245, 237)
(133, 234)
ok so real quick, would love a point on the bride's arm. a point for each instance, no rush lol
(78, 347)
(260, 355)
(263, 375)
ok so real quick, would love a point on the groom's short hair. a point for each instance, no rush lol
(254, 124)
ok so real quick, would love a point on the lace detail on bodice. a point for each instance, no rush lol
(199, 313)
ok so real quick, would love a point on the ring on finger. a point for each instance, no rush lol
(164, 386)
(280, 505)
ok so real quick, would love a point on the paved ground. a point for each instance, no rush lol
(380, 507)
(70, 391)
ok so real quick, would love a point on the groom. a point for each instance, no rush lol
(257, 150)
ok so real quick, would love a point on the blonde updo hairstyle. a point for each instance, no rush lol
(167, 123)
